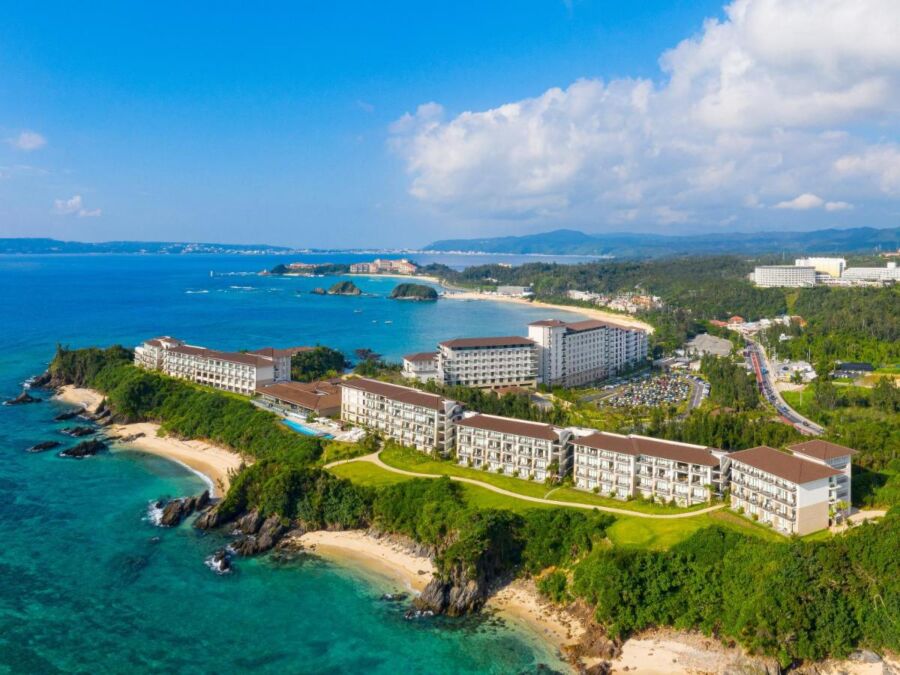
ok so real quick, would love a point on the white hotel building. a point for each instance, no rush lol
(788, 276)
(229, 371)
(833, 456)
(790, 493)
(488, 362)
(630, 466)
(512, 447)
(574, 354)
(403, 414)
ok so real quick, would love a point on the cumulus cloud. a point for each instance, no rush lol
(28, 141)
(750, 111)
(74, 205)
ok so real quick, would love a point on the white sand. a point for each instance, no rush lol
(87, 398)
(590, 312)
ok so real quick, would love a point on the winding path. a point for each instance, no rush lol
(376, 460)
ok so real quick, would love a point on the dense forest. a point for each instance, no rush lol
(317, 363)
(730, 384)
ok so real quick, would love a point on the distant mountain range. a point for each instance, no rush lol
(622, 245)
(56, 246)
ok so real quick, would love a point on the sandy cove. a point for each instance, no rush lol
(590, 312)
(213, 462)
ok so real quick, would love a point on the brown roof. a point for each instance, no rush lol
(317, 396)
(396, 392)
(783, 465)
(420, 356)
(590, 324)
(644, 445)
(506, 425)
(820, 449)
(234, 357)
(506, 341)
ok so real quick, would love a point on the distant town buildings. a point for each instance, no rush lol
(581, 352)
(237, 372)
(827, 271)
(380, 266)
(622, 302)
(515, 291)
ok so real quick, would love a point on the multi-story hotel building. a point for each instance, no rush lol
(833, 267)
(791, 494)
(238, 372)
(573, 354)
(421, 366)
(790, 276)
(831, 455)
(513, 447)
(406, 415)
(380, 266)
(321, 399)
(489, 362)
(630, 466)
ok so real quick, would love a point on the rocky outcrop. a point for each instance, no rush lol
(46, 445)
(258, 535)
(318, 290)
(84, 449)
(454, 596)
(78, 432)
(63, 417)
(219, 562)
(344, 288)
(22, 399)
(39, 381)
(209, 519)
(177, 510)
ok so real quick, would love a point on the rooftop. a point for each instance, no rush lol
(644, 445)
(312, 395)
(232, 357)
(473, 343)
(505, 425)
(396, 392)
(783, 465)
(421, 356)
(820, 449)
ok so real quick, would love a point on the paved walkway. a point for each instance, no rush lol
(376, 460)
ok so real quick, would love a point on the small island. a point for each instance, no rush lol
(414, 292)
(344, 288)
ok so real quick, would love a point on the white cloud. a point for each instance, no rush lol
(74, 205)
(801, 202)
(748, 112)
(28, 141)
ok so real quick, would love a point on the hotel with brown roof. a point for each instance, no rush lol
(488, 362)
(406, 415)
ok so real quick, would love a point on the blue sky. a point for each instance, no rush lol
(360, 124)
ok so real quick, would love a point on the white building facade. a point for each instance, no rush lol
(834, 456)
(573, 354)
(490, 362)
(406, 415)
(421, 366)
(787, 276)
(833, 267)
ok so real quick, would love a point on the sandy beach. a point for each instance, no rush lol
(589, 312)
(211, 461)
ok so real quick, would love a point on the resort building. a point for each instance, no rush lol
(489, 362)
(630, 466)
(379, 266)
(512, 447)
(790, 493)
(421, 366)
(320, 399)
(573, 354)
(406, 415)
(889, 273)
(834, 456)
(833, 267)
(238, 372)
(789, 276)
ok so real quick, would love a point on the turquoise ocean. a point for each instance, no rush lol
(89, 584)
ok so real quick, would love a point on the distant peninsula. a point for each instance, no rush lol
(414, 292)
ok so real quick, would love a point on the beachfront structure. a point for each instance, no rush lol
(833, 267)
(625, 467)
(512, 447)
(789, 276)
(578, 353)
(515, 291)
(320, 399)
(488, 362)
(834, 456)
(379, 266)
(788, 492)
(421, 366)
(237, 372)
(406, 415)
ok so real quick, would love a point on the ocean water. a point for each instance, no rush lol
(90, 584)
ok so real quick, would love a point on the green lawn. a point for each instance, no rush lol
(413, 460)
(337, 450)
(366, 473)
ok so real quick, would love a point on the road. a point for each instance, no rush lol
(376, 460)
(760, 364)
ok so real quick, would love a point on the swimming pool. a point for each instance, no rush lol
(305, 430)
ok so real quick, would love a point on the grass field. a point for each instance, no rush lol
(412, 460)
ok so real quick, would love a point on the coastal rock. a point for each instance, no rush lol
(250, 523)
(78, 432)
(62, 417)
(46, 445)
(344, 288)
(22, 399)
(219, 562)
(131, 437)
(39, 381)
(318, 290)
(179, 509)
(268, 534)
(209, 520)
(84, 449)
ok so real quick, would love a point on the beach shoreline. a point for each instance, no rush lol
(213, 463)
(589, 312)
